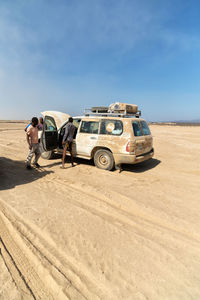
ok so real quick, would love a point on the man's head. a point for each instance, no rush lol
(34, 121)
(70, 120)
(41, 120)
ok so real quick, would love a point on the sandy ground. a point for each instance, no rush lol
(84, 233)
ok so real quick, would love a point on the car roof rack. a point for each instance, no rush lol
(103, 111)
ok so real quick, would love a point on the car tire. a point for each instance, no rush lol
(103, 159)
(47, 154)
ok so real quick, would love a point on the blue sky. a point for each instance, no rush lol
(69, 55)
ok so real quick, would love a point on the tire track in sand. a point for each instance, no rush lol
(105, 207)
(16, 257)
(38, 268)
(137, 223)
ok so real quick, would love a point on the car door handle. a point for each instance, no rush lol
(93, 138)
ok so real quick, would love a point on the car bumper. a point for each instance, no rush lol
(132, 158)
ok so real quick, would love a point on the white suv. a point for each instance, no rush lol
(111, 139)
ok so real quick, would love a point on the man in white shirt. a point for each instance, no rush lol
(32, 139)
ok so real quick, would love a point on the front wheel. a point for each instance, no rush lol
(103, 159)
(47, 154)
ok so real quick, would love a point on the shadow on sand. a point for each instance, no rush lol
(142, 167)
(56, 160)
(137, 168)
(13, 173)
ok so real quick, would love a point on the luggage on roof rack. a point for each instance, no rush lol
(99, 109)
(117, 109)
(123, 108)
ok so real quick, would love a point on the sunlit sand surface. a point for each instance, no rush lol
(84, 233)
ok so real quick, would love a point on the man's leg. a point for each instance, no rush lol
(29, 157)
(71, 154)
(72, 158)
(64, 154)
(37, 154)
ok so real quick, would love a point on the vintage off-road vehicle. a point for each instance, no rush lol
(111, 136)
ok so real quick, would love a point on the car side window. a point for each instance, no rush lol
(145, 128)
(62, 131)
(89, 127)
(76, 122)
(111, 127)
(136, 128)
(49, 124)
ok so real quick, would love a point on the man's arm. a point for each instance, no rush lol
(28, 138)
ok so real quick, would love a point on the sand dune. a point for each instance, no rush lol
(84, 233)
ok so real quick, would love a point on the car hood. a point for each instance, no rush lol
(59, 117)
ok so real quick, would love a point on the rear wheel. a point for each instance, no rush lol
(103, 159)
(47, 154)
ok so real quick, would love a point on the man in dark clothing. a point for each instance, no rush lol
(68, 140)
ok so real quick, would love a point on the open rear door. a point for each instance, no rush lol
(50, 134)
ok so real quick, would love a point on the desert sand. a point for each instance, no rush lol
(85, 233)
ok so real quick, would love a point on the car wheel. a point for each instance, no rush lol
(47, 154)
(103, 159)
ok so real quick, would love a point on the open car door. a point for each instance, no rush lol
(50, 134)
